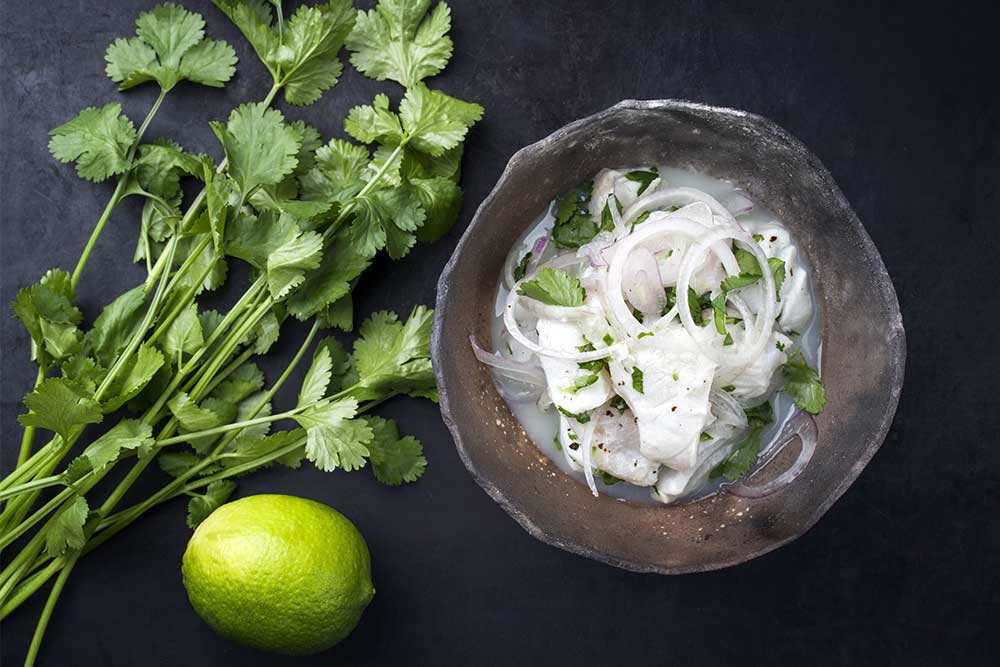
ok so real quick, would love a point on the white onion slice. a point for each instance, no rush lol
(622, 315)
(674, 197)
(642, 282)
(727, 409)
(588, 469)
(515, 370)
(735, 359)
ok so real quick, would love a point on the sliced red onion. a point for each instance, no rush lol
(529, 373)
(641, 282)
(540, 246)
(800, 424)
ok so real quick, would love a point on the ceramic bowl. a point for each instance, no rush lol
(863, 345)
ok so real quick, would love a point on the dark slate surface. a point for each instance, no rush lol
(902, 107)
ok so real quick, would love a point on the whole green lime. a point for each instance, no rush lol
(279, 573)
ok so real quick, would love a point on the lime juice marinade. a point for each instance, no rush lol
(542, 425)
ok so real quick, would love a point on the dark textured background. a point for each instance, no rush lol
(901, 105)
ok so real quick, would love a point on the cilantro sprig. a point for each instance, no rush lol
(304, 218)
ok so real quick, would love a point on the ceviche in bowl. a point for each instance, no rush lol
(665, 341)
(654, 330)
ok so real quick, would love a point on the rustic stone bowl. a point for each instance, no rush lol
(863, 345)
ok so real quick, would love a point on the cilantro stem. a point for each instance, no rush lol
(169, 491)
(29, 431)
(28, 587)
(21, 528)
(225, 428)
(116, 196)
(50, 603)
(42, 483)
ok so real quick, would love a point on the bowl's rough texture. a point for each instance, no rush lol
(863, 348)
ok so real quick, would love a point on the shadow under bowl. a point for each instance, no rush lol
(863, 344)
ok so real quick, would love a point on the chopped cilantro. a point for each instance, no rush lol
(618, 403)
(522, 266)
(608, 340)
(637, 379)
(574, 227)
(644, 334)
(607, 220)
(607, 477)
(581, 417)
(704, 436)
(641, 219)
(643, 178)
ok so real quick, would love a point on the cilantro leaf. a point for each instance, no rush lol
(637, 379)
(286, 265)
(394, 460)
(374, 122)
(582, 417)
(740, 461)
(125, 435)
(643, 178)
(169, 48)
(386, 219)
(176, 464)
(435, 122)
(744, 456)
(48, 313)
(190, 415)
(573, 225)
(66, 532)
(333, 439)
(184, 334)
(60, 405)
(391, 357)
(338, 172)
(750, 271)
(301, 55)
(522, 266)
(203, 504)
(260, 147)
(112, 328)
(148, 360)
(441, 200)
(248, 449)
(804, 385)
(338, 269)
(243, 382)
(97, 140)
(308, 55)
(317, 378)
(398, 40)
(554, 287)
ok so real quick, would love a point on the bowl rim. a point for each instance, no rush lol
(895, 340)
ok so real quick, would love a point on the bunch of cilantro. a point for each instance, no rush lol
(307, 217)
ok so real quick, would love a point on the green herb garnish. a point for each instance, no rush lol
(637, 379)
(804, 385)
(522, 267)
(554, 287)
(643, 178)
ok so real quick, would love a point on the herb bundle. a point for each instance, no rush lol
(307, 217)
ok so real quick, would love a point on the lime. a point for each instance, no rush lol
(279, 573)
